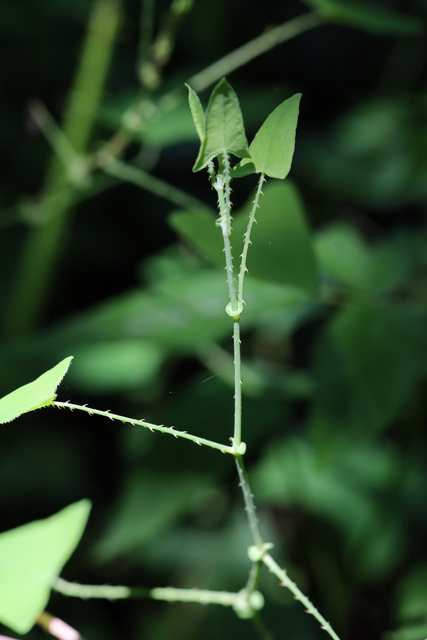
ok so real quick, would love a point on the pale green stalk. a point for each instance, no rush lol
(240, 601)
(253, 49)
(259, 553)
(146, 181)
(254, 576)
(74, 166)
(44, 242)
(237, 436)
(160, 51)
(142, 423)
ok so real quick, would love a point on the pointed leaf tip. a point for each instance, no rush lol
(224, 128)
(34, 395)
(197, 112)
(273, 147)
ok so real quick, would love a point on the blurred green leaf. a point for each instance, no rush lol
(199, 230)
(370, 17)
(224, 128)
(373, 156)
(347, 259)
(338, 490)
(181, 311)
(408, 631)
(149, 504)
(411, 596)
(116, 365)
(147, 122)
(290, 473)
(366, 364)
(281, 249)
(35, 395)
(343, 255)
(409, 606)
(31, 558)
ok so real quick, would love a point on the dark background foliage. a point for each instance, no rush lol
(334, 377)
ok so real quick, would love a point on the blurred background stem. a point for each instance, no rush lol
(45, 240)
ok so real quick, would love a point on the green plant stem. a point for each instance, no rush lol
(253, 49)
(243, 476)
(222, 187)
(260, 628)
(249, 503)
(254, 576)
(247, 238)
(237, 436)
(142, 423)
(45, 241)
(159, 53)
(56, 138)
(285, 581)
(266, 558)
(146, 181)
(167, 594)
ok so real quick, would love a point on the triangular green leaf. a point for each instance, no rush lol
(366, 364)
(224, 128)
(367, 16)
(31, 558)
(39, 393)
(197, 112)
(273, 147)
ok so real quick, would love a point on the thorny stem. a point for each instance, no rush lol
(298, 595)
(153, 427)
(261, 548)
(222, 187)
(247, 237)
(266, 558)
(249, 502)
(167, 594)
(237, 437)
